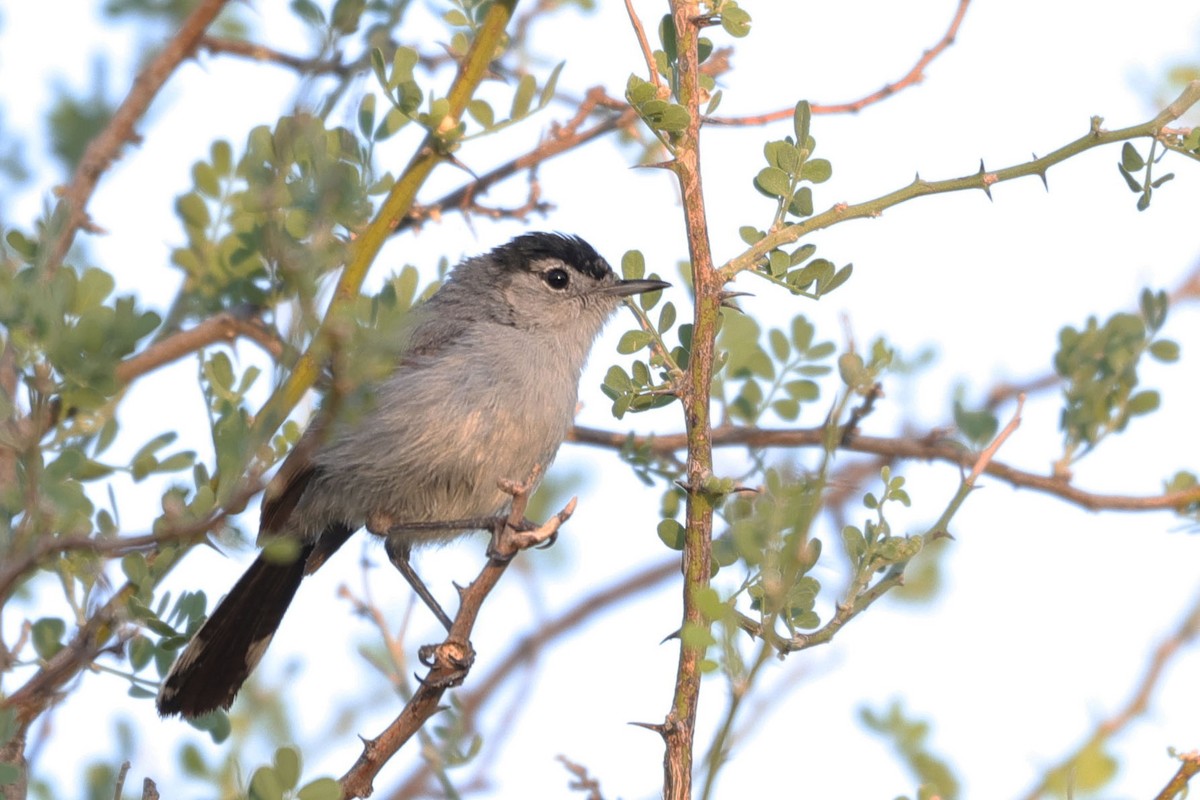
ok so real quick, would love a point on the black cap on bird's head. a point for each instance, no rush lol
(530, 248)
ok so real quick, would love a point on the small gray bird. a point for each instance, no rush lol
(484, 389)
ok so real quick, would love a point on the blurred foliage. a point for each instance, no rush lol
(908, 738)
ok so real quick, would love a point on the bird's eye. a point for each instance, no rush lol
(556, 278)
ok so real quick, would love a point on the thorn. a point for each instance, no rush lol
(451, 159)
(1042, 174)
(656, 165)
(673, 635)
(982, 169)
(657, 727)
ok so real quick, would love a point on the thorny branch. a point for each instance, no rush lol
(450, 662)
(930, 448)
(526, 649)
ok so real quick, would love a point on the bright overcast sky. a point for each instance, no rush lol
(1048, 612)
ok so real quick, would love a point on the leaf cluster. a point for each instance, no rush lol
(1099, 366)
(649, 382)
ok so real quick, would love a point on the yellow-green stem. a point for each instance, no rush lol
(367, 245)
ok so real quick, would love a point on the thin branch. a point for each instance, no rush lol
(914, 76)
(990, 451)
(19, 565)
(219, 45)
(103, 150)
(1184, 635)
(983, 179)
(226, 326)
(1178, 785)
(526, 649)
(43, 689)
(305, 65)
(561, 140)
(583, 781)
(919, 449)
(647, 54)
(450, 662)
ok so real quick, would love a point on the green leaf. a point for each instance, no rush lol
(265, 785)
(366, 115)
(978, 426)
(787, 409)
(801, 120)
(320, 789)
(551, 83)
(816, 170)
(773, 182)
(46, 635)
(523, 98)
(1131, 159)
(346, 14)
(672, 534)
(673, 118)
(779, 344)
(632, 341)
(735, 21)
(802, 390)
(482, 113)
(750, 234)
(456, 18)
(802, 203)
(287, 766)
(852, 370)
(666, 317)
(204, 178)
(1130, 181)
(1165, 350)
(618, 380)
(839, 277)
(1142, 403)
(633, 265)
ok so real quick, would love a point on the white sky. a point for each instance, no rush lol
(1048, 612)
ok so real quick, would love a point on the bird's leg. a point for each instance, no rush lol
(399, 554)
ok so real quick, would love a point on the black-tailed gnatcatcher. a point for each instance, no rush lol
(485, 388)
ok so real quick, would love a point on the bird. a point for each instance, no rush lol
(484, 389)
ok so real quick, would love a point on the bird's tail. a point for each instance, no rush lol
(223, 653)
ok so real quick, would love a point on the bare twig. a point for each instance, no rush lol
(105, 148)
(640, 32)
(561, 140)
(990, 451)
(1178, 785)
(583, 781)
(450, 661)
(526, 649)
(121, 780)
(914, 76)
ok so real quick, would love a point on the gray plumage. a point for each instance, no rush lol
(485, 388)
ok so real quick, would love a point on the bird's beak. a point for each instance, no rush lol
(627, 288)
